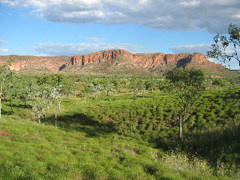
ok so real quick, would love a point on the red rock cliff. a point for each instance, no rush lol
(52, 63)
(143, 60)
(99, 57)
(147, 61)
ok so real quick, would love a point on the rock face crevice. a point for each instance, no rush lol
(145, 61)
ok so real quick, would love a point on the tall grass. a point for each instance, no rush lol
(34, 151)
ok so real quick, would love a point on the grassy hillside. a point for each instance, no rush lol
(110, 127)
(35, 151)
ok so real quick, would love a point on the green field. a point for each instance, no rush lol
(117, 127)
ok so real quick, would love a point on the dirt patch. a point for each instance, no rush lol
(3, 133)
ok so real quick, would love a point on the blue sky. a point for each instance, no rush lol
(70, 27)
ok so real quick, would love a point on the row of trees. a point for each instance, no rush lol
(28, 90)
(40, 93)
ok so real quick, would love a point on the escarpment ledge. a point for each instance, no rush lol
(150, 62)
(143, 60)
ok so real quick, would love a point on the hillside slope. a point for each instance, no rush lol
(34, 151)
(113, 61)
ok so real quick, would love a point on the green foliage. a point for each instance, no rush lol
(189, 84)
(220, 82)
(34, 151)
(184, 79)
(103, 129)
(222, 44)
(5, 81)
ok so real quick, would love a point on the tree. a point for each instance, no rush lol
(41, 99)
(57, 97)
(5, 76)
(97, 89)
(189, 85)
(226, 47)
(12, 89)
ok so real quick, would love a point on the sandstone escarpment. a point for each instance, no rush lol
(51, 63)
(144, 60)
(99, 57)
(111, 60)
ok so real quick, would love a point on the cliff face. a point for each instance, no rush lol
(149, 62)
(99, 57)
(35, 62)
(144, 60)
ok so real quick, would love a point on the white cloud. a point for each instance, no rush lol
(214, 15)
(3, 41)
(81, 48)
(237, 16)
(3, 50)
(190, 3)
(193, 48)
(95, 39)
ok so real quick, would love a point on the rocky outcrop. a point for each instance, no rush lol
(99, 57)
(144, 60)
(51, 63)
(151, 62)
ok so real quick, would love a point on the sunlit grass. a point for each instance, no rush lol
(34, 151)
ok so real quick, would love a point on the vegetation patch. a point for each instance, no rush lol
(56, 126)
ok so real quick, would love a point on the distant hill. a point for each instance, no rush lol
(113, 61)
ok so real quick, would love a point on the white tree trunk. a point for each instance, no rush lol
(180, 127)
(0, 109)
(1, 102)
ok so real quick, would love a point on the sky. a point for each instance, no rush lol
(71, 27)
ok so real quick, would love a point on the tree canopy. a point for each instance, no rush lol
(226, 47)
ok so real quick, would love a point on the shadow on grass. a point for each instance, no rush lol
(21, 106)
(216, 146)
(81, 122)
(4, 112)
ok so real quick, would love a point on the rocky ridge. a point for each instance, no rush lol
(50, 63)
(150, 62)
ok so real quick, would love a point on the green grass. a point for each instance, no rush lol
(35, 151)
(86, 143)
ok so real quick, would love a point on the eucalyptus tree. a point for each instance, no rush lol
(97, 89)
(5, 76)
(189, 85)
(137, 84)
(56, 96)
(42, 98)
(13, 89)
(227, 47)
(151, 84)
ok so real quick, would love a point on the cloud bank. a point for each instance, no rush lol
(59, 49)
(193, 48)
(214, 15)
(3, 50)
(3, 42)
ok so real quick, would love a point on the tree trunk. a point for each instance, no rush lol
(85, 99)
(180, 127)
(182, 117)
(0, 109)
(59, 106)
(11, 105)
(39, 119)
(55, 119)
(1, 101)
